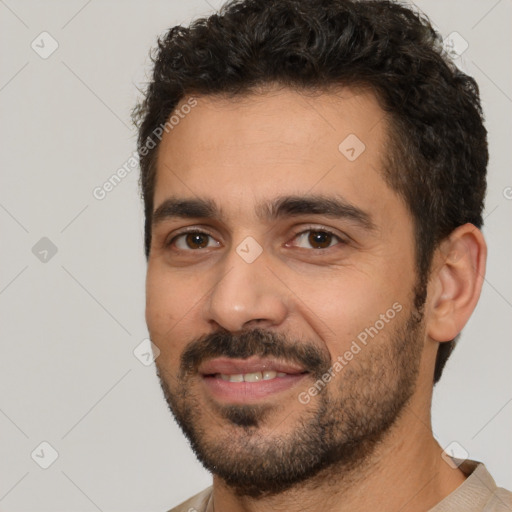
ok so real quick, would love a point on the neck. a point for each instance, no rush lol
(405, 471)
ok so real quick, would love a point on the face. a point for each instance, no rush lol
(280, 286)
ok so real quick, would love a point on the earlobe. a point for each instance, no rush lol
(456, 281)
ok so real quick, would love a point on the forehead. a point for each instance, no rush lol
(239, 150)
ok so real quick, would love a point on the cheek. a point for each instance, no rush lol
(352, 304)
(169, 306)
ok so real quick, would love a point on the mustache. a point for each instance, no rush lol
(256, 342)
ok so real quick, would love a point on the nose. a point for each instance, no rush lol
(246, 295)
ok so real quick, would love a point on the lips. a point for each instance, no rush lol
(248, 380)
(228, 366)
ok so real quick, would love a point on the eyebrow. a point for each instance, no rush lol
(281, 207)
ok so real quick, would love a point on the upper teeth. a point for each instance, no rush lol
(252, 377)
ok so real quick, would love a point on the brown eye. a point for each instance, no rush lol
(196, 240)
(193, 240)
(317, 239)
(320, 239)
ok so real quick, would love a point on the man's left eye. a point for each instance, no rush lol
(317, 239)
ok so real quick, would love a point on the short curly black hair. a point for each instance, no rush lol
(438, 143)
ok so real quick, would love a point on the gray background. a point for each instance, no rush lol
(69, 325)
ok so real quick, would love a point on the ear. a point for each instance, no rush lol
(455, 282)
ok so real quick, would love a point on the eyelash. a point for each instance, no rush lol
(295, 235)
(340, 240)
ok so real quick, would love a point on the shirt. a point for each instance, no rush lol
(478, 493)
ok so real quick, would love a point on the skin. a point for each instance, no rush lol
(242, 152)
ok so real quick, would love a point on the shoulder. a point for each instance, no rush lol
(478, 493)
(482, 486)
(500, 501)
(197, 503)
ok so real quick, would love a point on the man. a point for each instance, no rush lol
(313, 174)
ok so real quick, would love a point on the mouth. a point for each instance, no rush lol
(248, 380)
(249, 377)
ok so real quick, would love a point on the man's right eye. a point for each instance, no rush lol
(193, 240)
